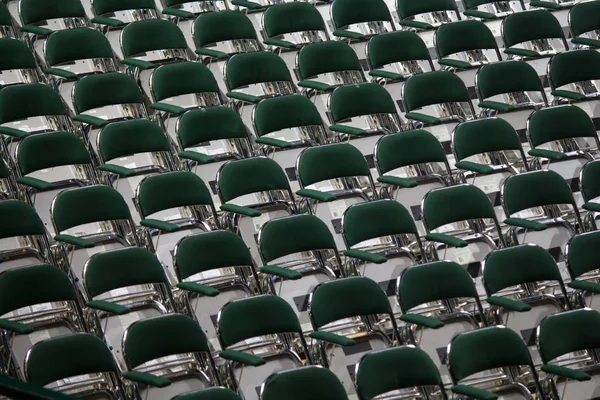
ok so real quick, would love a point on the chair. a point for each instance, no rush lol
(580, 257)
(7, 29)
(116, 14)
(489, 9)
(576, 72)
(590, 191)
(186, 9)
(17, 64)
(433, 13)
(288, 26)
(583, 26)
(292, 385)
(40, 18)
(359, 20)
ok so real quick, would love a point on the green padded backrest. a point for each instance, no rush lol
(348, 12)
(408, 148)
(326, 57)
(590, 180)
(76, 44)
(339, 160)
(439, 280)
(527, 263)
(434, 87)
(134, 136)
(562, 71)
(530, 25)
(463, 36)
(294, 234)
(470, 4)
(50, 150)
(208, 124)
(36, 284)
(484, 135)
(175, 79)
(304, 383)
(409, 8)
(149, 35)
(102, 7)
(582, 253)
(172, 189)
(17, 55)
(374, 219)
(255, 316)
(5, 17)
(495, 347)
(398, 46)
(456, 203)
(392, 369)
(284, 112)
(211, 393)
(556, 123)
(165, 335)
(29, 100)
(210, 250)
(33, 11)
(73, 207)
(19, 219)
(346, 298)
(69, 355)
(583, 17)
(215, 27)
(110, 88)
(568, 332)
(298, 16)
(252, 175)
(361, 99)
(535, 189)
(120, 268)
(246, 69)
(506, 77)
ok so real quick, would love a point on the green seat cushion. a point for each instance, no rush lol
(422, 320)
(198, 288)
(281, 272)
(550, 154)
(509, 304)
(332, 338)
(316, 195)
(242, 358)
(474, 167)
(566, 372)
(446, 239)
(365, 256)
(525, 223)
(397, 181)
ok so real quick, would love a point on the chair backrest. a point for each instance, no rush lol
(484, 135)
(294, 234)
(210, 250)
(49, 150)
(530, 25)
(211, 393)
(19, 219)
(590, 180)
(393, 47)
(464, 35)
(297, 16)
(246, 69)
(348, 12)
(175, 79)
(326, 57)
(284, 112)
(383, 371)
(407, 8)
(557, 123)
(518, 265)
(5, 17)
(102, 7)
(434, 87)
(408, 148)
(76, 44)
(434, 281)
(574, 66)
(362, 99)
(255, 316)
(214, 27)
(582, 17)
(111, 88)
(140, 37)
(208, 124)
(506, 77)
(136, 136)
(17, 102)
(33, 11)
(332, 161)
(17, 55)
(305, 383)
(582, 256)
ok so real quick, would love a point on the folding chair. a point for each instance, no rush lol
(581, 264)
(431, 13)
(583, 26)
(359, 20)
(292, 385)
(489, 9)
(576, 72)
(7, 28)
(111, 14)
(17, 64)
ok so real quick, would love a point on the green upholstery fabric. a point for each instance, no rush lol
(563, 72)
(484, 135)
(102, 7)
(534, 189)
(73, 207)
(397, 368)
(49, 150)
(408, 148)
(434, 281)
(210, 250)
(522, 27)
(407, 8)
(556, 123)
(361, 99)
(19, 219)
(583, 18)
(375, 219)
(152, 34)
(251, 175)
(135, 136)
(171, 3)
(5, 17)
(348, 12)
(175, 79)
(476, 3)
(162, 336)
(122, 268)
(455, 203)
(256, 316)
(317, 164)
(434, 88)
(33, 11)
(69, 355)
(211, 393)
(527, 263)
(495, 347)
(225, 25)
(590, 180)
(387, 48)
(77, 44)
(95, 91)
(567, 332)
(294, 234)
(305, 383)
(508, 76)
(284, 18)
(17, 55)
(257, 67)
(325, 57)
(208, 124)
(345, 298)
(29, 100)
(463, 36)
(283, 112)
(583, 256)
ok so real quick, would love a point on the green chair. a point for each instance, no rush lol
(167, 355)
(17, 64)
(433, 13)
(36, 14)
(116, 14)
(270, 319)
(186, 9)
(288, 26)
(496, 349)
(552, 5)
(508, 86)
(590, 191)
(581, 262)
(292, 385)
(359, 20)
(442, 90)
(73, 356)
(574, 71)
(467, 43)
(395, 56)
(7, 29)
(489, 9)
(583, 25)
(212, 393)
(397, 369)
(527, 35)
